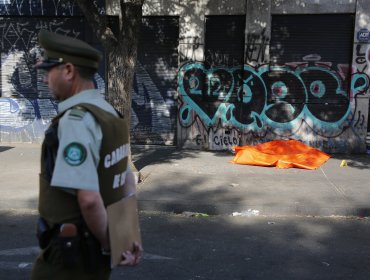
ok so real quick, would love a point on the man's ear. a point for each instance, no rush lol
(69, 71)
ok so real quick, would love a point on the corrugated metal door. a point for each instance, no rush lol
(294, 37)
(19, 52)
(224, 56)
(153, 103)
(318, 50)
(224, 41)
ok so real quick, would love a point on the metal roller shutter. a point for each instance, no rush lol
(224, 58)
(318, 50)
(294, 37)
(153, 103)
(19, 52)
(224, 41)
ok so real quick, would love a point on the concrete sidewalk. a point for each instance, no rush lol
(199, 181)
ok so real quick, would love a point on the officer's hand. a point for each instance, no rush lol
(132, 258)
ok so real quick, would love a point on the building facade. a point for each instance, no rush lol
(212, 74)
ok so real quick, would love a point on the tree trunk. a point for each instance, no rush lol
(122, 59)
(121, 50)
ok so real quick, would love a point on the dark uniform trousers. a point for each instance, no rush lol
(49, 266)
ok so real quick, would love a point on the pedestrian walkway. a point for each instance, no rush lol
(180, 181)
(205, 182)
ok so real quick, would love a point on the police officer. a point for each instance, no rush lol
(84, 167)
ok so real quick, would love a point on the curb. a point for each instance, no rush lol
(249, 210)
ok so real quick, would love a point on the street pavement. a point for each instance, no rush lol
(178, 247)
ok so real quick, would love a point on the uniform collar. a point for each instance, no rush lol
(81, 97)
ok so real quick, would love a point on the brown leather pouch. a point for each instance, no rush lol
(69, 244)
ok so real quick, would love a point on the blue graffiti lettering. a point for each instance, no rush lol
(279, 97)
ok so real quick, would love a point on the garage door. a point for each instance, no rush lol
(153, 103)
(315, 50)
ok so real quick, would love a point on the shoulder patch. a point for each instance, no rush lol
(77, 113)
(74, 154)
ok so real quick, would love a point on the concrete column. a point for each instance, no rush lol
(191, 33)
(361, 70)
(312, 7)
(191, 48)
(257, 32)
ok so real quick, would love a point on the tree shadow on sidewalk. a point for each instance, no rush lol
(142, 156)
(5, 148)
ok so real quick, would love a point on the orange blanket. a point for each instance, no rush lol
(282, 154)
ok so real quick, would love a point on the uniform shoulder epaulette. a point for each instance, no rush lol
(77, 113)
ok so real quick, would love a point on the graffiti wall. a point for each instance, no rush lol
(257, 104)
(235, 86)
(26, 106)
(318, 98)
